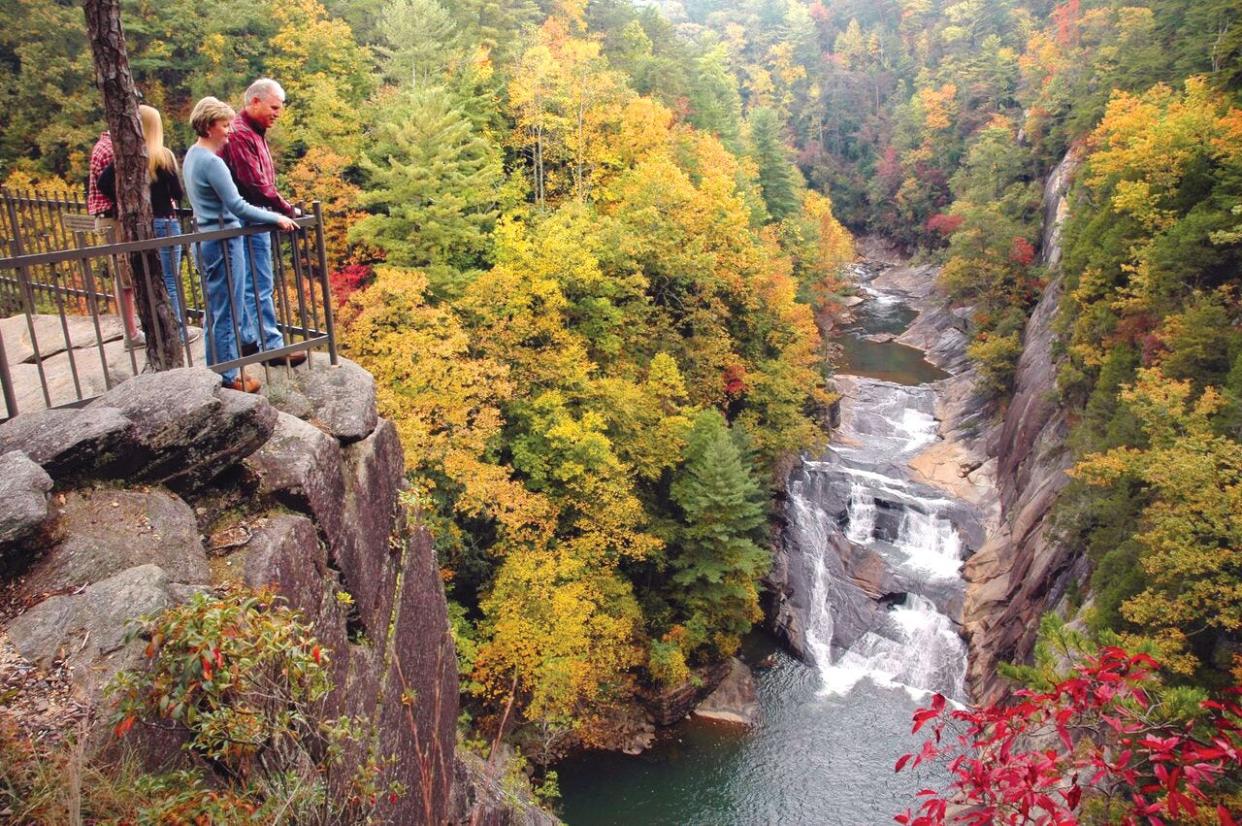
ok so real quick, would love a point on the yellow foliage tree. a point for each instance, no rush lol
(1191, 525)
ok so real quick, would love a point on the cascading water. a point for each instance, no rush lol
(883, 514)
(861, 514)
(931, 543)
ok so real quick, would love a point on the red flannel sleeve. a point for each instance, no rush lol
(251, 167)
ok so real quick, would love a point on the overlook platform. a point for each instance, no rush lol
(62, 340)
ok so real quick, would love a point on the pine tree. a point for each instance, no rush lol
(432, 185)
(422, 41)
(716, 562)
(778, 178)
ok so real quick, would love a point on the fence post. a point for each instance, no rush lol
(323, 281)
(6, 382)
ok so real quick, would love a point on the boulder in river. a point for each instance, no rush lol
(735, 700)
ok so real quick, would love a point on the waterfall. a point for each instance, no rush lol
(931, 543)
(923, 654)
(813, 528)
(861, 515)
(862, 493)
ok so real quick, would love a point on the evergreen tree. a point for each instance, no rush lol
(432, 187)
(421, 41)
(716, 562)
(778, 179)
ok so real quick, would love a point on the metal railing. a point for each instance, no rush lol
(63, 334)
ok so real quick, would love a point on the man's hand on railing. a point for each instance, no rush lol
(286, 224)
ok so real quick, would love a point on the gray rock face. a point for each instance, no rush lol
(914, 282)
(105, 531)
(300, 466)
(115, 554)
(480, 798)
(1021, 572)
(51, 335)
(24, 487)
(1056, 204)
(102, 611)
(421, 733)
(91, 627)
(367, 556)
(68, 444)
(188, 428)
(284, 553)
(349, 497)
(941, 333)
(340, 399)
(735, 700)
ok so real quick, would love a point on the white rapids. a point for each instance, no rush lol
(913, 645)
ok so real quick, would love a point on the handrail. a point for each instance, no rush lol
(50, 288)
(125, 247)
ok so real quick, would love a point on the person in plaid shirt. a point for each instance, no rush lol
(104, 210)
(97, 203)
(250, 163)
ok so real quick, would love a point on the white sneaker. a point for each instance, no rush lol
(137, 342)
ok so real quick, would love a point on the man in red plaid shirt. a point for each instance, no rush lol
(97, 203)
(104, 210)
(250, 161)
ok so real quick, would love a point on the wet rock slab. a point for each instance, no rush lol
(735, 700)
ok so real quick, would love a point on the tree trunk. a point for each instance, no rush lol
(116, 83)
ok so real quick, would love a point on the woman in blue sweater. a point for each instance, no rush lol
(218, 205)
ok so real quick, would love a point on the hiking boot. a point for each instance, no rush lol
(291, 360)
(244, 384)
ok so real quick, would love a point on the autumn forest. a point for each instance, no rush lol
(594, 252)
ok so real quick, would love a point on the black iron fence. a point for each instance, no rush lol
(67, 330)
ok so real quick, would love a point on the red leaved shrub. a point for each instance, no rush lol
(1102, 736)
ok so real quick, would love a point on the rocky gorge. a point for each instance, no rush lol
(1004, 466)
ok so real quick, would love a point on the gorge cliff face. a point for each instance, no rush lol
(1021, 572)
(169, 484)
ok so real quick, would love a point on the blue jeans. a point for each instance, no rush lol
(170, 263)
(226, 293)
(260, 314)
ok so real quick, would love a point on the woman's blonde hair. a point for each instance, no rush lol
(159, 156)
(206, 112)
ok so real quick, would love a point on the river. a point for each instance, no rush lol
(834, 726)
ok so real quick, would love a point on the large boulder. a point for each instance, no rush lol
(735, 700)
(102, 532)
(667, 706)
(92, 628)
(187, 426)
(24, 488)
(300, 467)
(73, 443)
(338, 398)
